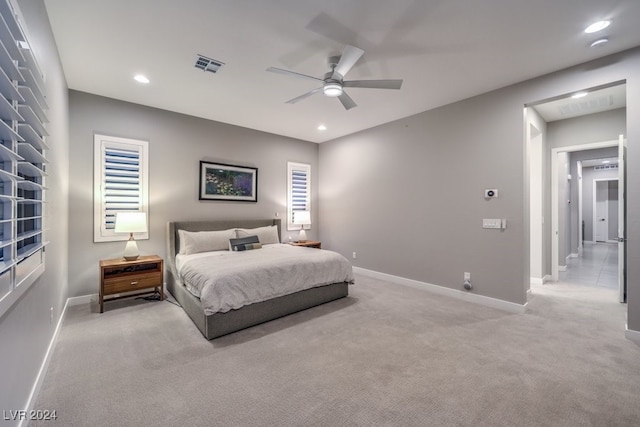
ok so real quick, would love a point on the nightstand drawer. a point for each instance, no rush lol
(131, 283)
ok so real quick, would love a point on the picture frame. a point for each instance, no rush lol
(220, 181)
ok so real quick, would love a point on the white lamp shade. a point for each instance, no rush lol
(131, 222)
(302, 217)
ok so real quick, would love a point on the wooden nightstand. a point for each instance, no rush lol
(118, 276)
(308, 244)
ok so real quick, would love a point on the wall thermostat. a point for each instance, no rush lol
(491, 193)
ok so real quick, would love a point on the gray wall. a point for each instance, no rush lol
(26, 330)
(408, 195)
(176, 145)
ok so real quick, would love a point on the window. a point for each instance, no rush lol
(298, 191)
(120, 183)
(23, 162)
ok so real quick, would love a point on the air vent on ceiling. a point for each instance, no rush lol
(604, 167)
(590, 106)
(208, 64)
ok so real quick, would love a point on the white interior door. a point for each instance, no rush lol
(622, 282)
(580, 220)
(601, 211)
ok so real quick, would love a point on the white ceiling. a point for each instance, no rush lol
(445, 50)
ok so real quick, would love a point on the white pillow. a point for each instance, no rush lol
(266, 235)
(193, 242)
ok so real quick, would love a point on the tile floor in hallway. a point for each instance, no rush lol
(597, 266)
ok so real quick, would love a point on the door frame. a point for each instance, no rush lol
(594, 202)
(555, 220)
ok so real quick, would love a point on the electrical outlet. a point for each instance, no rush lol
(467, 275)
(354, 255)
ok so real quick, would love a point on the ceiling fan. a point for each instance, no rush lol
(333, 84)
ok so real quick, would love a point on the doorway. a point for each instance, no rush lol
(563, 235)
(596, 230)
(605, 210)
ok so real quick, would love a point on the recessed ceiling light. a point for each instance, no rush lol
(599, 42)
(142, 79)
(322, 127)
(597, 26)
(579, 95)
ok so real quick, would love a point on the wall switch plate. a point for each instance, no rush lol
(467, 276)
(354, 255)
(492, 223)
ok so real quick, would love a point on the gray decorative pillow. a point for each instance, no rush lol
(244, 243)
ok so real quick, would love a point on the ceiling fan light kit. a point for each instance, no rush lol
(333, 84)
(332, 89)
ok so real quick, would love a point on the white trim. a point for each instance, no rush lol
(305, 168)
(536, 281)
(441, 290)
(83, 299)
(100, 144)
(632, 335)
(546, 278)
(594, 203)
(37, 385)
(562, 268)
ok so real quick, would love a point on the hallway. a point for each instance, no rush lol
(597, 267)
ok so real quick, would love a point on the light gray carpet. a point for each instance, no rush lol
(388, 355)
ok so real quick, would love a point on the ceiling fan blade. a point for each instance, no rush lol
(292, 74)
(350, 56)
(303, 96)
(374, 84)
(347, 102)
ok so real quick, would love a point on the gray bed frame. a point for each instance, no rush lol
(218, 324)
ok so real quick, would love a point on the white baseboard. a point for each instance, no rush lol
(45, 364)
(441, 290)
(562, 268)
(574, 255)
(546, 278)
(536, 280)
(632, 335)
(84, 299)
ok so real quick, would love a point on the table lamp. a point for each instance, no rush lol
(131, 222)
(303, 218)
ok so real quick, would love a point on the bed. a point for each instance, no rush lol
(225, 320)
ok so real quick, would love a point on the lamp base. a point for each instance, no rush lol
(131, 252)
(303, 236)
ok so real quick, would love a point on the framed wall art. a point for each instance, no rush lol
(219, 181)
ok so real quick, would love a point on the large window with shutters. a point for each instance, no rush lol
(121, 183)
(298, 191)
(23, 161)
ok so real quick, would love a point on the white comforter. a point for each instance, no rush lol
(226, 280)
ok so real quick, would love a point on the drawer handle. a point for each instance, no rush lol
(134, 283)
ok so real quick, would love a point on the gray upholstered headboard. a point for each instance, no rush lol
(173, 241)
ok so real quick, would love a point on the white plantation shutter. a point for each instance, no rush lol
(121, 181)
(298, 191)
